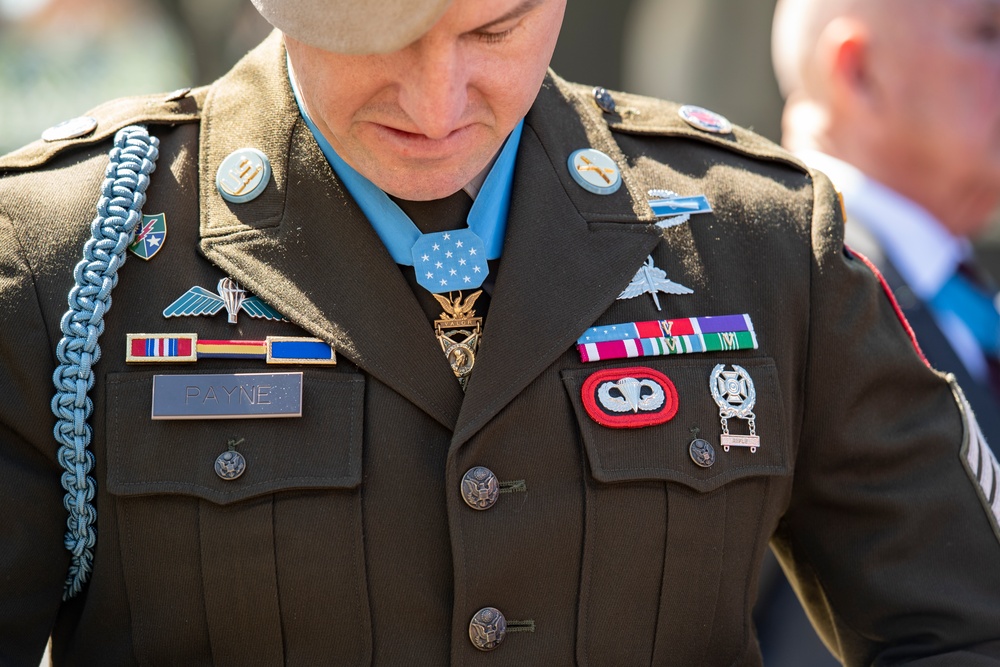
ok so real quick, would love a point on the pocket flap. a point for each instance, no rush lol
(661, 452)
(319, 450)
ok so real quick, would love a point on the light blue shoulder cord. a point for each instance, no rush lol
(119, 211)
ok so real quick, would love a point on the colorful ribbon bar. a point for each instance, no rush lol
(232, 349)
(290, 350)
(161, 347)
(687, 326)
(653, 347)
(173, 348)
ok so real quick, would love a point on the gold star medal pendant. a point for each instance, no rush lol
(459, 331)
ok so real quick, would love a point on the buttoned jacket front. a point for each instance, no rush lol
(347, 540)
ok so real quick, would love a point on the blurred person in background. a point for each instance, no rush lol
(407, 382)
(898, 101)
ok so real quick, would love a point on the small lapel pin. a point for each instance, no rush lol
(232, 297)
(243, 175)
(705, 120)
(604, 100)
(73, 128)
(151, 236)
(594, 171)
(651, 280)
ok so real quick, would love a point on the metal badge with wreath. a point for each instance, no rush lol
(734, 393)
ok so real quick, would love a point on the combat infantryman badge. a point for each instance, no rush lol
(734, 393)
(150, 237)
(458, 331)
(672, 210)
(232, 297)
(629, 397)
(650, 280)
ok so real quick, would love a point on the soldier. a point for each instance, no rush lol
(513, 371)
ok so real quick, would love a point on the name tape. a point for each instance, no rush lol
(232, 396)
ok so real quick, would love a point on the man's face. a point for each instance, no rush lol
(939, 70)
(423, 121)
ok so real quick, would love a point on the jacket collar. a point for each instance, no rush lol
(305, 247)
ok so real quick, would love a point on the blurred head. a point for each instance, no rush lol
(906, 90)
(423, 120)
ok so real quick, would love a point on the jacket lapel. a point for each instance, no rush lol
(305, 247)
(567, 256)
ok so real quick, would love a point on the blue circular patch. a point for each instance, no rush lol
(594, 171)
(243, 176)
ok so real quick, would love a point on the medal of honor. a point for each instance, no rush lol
(734, 393)
(458, 331)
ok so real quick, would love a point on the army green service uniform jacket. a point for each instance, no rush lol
(347, 540)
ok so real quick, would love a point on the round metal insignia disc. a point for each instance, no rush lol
(480, 488)
(243, 176)
(230, 465)
(487, 629)
(702, 453)
(73, 128)
(705, 120)
(594, 171)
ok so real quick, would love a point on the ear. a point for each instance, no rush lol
(846, 58)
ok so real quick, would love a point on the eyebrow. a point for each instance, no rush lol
(514, 13)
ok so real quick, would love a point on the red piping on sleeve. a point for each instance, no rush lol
(892, 299)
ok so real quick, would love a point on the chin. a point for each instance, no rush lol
(418, 187)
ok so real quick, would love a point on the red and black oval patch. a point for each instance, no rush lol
(629, 397)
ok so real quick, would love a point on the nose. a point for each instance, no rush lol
(434, 92)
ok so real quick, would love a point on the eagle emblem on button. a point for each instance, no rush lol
(629, 397)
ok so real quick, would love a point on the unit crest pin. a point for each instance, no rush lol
(734, 393)
(151, 236)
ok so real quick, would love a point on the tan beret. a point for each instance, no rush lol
(353, 26)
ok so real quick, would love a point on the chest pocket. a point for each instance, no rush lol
(672, 547)
(264, 569)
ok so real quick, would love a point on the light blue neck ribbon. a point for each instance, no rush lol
(487, 219)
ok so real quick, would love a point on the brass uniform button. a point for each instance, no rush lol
(702, 453)
(487, 629)
(480, 488)
(230, 465)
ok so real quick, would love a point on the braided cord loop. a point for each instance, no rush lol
(119, 212)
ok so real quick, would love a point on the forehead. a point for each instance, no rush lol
(474, 14)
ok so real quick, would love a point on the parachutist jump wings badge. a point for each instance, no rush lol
(232, 297)
(651, 280)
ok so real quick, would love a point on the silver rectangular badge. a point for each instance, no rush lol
(230, 396)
